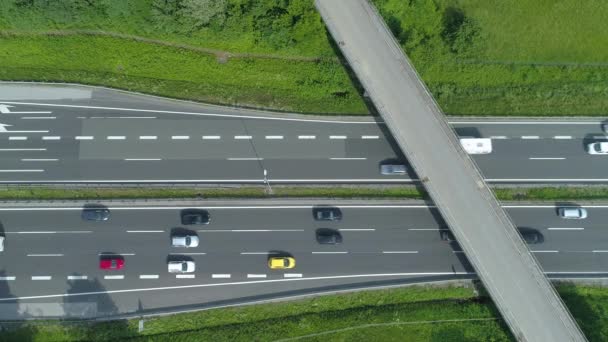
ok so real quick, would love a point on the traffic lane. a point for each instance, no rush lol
(547, 217)
(233, 217)
(156, 170)
(516, 128)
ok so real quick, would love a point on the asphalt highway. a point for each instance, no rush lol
(52, 134)
(50, 252)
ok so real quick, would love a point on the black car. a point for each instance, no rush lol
(531, 236)
(447, 235)
(326, 236)
(96, 214)
(195, 216)
(327, 214)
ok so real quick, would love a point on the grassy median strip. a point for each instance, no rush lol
(413, 313)
(337, 192)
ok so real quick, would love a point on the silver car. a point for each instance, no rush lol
(392, 169)
(181, 266)
(573, 213)
(187, 241)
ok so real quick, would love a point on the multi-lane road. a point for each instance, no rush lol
(52, 256)
(89, 135)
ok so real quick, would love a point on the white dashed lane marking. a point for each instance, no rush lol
(220, 276)
(274, 137)
(180, 137)
(307, 137)
(337, 137)
(242, 137)
(17, 138)
(370, 137)
(562, 137)
(211, 137)
(41, 277)
(185, 276)
(148, 276)
(530, 137)
(116, 137)
(148, 137)
(51, 138)
(498, 137)
(8, 278)
(292, 275)
(77, 277)
(83, 137)
(256, 276)
(114, 277)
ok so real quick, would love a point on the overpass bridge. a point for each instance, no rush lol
(512, 276)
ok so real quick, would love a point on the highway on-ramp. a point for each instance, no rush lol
(61, 134)
(51, 256)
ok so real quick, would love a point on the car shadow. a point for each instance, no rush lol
(178, 257)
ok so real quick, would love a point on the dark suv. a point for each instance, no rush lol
(95, 214)
(195, 216)
(326, 214)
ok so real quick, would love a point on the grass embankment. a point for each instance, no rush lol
(406, 314)
(478, 58)
(505, 194)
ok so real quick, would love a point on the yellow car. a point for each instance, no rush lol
(280, 263)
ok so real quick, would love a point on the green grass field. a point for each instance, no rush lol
(404, 314)
(478, 58)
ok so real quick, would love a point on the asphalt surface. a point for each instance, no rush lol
(93, 135)
(508, 270)
(50, 252)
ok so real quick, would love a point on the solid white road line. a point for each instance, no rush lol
(256, 276)
(244, 159)
(248, 230)
(192, 113)
(148, 137)
(562, 137)
(561, 228)
(211, 137)
(83, 137)
(274, 137)
(341, 252)
(8, 278)
(116, 137)
(345, 158)
(52, 232)
(51, 138)
(145, 231)
(220, 276)
(44, 255)
(307, 137)
(114, 277)
(357, 230)
(399, 252)
(256, 282)
(530, 137)
(292, 275)
(242, 137)
(257, 253)
(35, 159)
(131, 117)
(370, 137)
(22, 149)
(148, 276)
(184, 276)
(17, 171)
(433, 229)
(337, 137)
(142, 159)
(41, 277)
(546, 158)
(180, 137)
(77, 277)
(544, 251)
(192, 253)
(17, 138)
(39, 118)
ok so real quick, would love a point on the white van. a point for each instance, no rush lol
(476, 145)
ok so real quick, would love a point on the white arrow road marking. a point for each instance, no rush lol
(4, 109)
(4, 130)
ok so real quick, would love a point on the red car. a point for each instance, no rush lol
(111, 263)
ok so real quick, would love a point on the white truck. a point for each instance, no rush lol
(477, 145)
